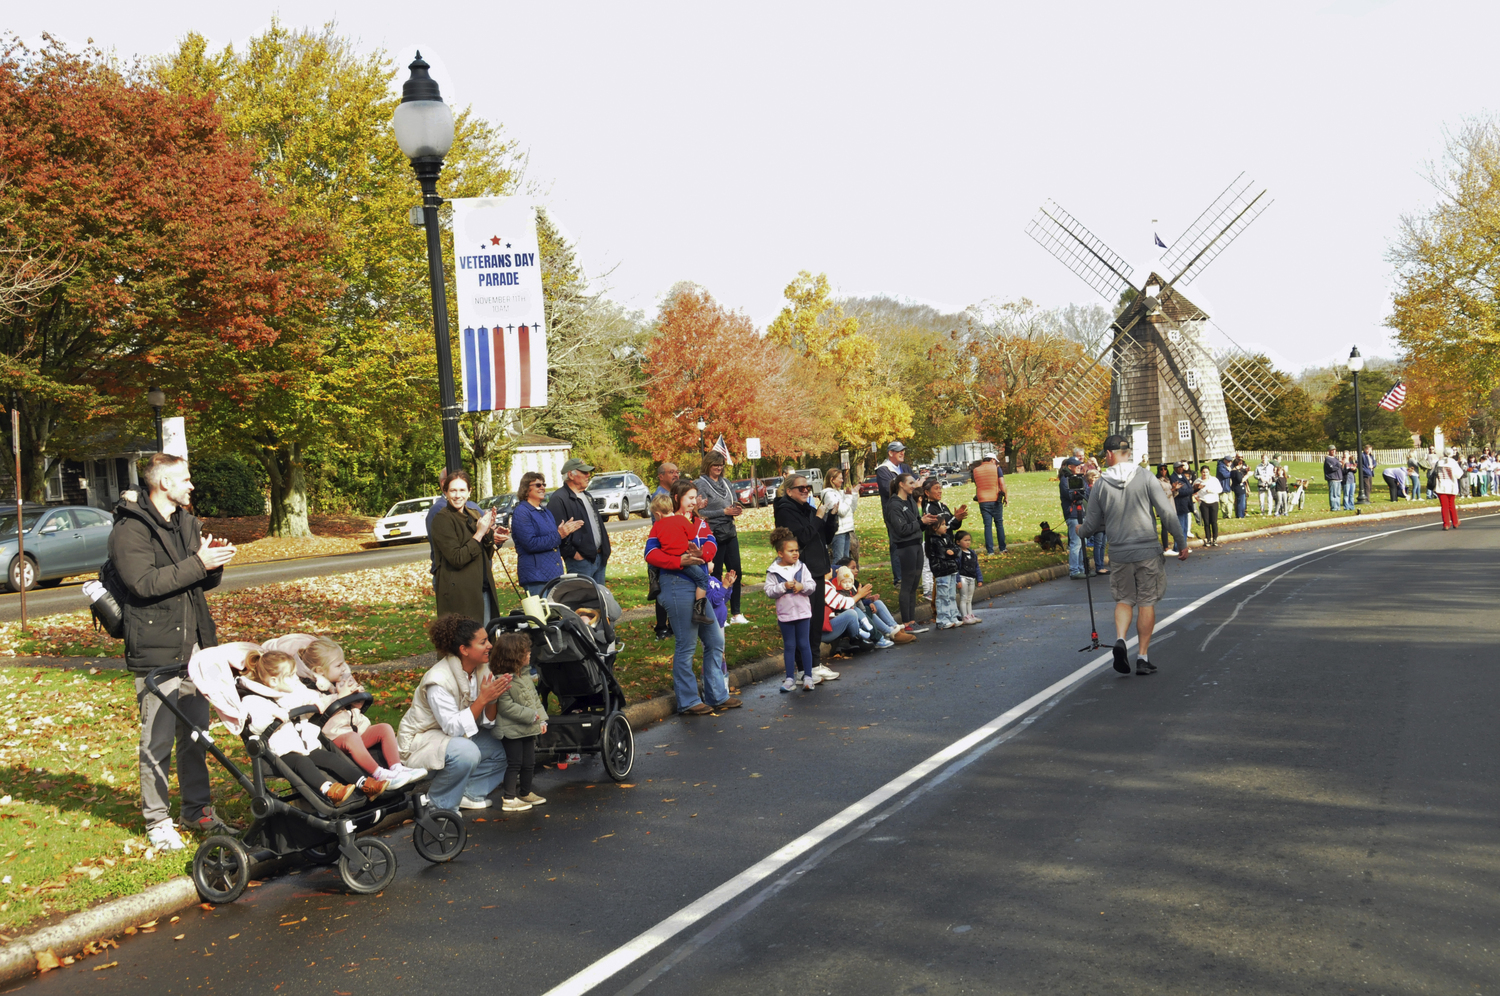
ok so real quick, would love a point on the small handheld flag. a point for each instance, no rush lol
(1395, 397)
(1159, 242)
(720, 447)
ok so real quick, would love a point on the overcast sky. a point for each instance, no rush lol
(901, 147)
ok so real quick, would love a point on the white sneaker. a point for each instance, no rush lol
(789, 685)
(468, 803)
(403, 776)
(883, 644)
(809, 682)
(514, 805)
(825, 673)
(164, 836)
(738, 619)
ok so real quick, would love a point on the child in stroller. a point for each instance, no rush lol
(350, 729)
(272, 692)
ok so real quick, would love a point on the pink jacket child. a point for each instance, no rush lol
(790, 605)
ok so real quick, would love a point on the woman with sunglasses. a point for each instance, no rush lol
(537, 535)
(814, 529)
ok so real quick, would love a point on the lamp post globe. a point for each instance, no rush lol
(701, 426)
(157, 400)
(1356, 364)
(423, 124)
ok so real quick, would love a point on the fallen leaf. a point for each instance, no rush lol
(108, 964)
(46, 961)
(231, 937)
(174, 919)
(151, 924)
(179, 937)
(207, 906)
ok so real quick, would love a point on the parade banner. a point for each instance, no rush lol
(498, 282)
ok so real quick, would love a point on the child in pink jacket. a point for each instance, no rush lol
(788, 581)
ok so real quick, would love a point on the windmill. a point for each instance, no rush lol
(1167, 381)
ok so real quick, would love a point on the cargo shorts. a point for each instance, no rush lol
(1142, 582)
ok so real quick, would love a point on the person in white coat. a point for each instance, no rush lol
(840, 499)
(1445, 475)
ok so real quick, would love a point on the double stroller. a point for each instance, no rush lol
(301, 821)
(573, 648)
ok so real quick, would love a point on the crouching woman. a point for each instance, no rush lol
(449, 728)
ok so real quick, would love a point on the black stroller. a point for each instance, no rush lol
(301, 821)
(573, 649)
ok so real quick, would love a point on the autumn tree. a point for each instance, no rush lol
(813, 325)
(169, 251)
(707, 362)
(315, 115)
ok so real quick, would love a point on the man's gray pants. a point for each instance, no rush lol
(160, 727)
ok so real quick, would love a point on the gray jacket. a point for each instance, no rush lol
(1121, 504)
(714, 497)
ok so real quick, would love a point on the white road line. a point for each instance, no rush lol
(644, 943)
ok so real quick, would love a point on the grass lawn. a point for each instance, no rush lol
(70, 826)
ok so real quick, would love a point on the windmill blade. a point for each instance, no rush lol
(1219, 225)
(1068, 402)
(1248, 382)
(1081, 251)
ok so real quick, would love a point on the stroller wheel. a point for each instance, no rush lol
(221, 869)
(325, 853)
(445, 841)
(376, 869)
(617, 746)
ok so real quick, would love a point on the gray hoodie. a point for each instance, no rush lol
(1122, 508)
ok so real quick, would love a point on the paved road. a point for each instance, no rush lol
(69, 597)
(1302, 800)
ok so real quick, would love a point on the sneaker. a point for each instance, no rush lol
(662, 634)
(467, 803)
(825, 673)
(209, 823)
(1143, 666)
(789, 685)
(534, 799)
(1122, 659)
(913, 628)
(373, 787)
(164, 837)
(513, 805)
(809, 683)
(972, 620)
(884, 644)
(738, 620)
(403, 776)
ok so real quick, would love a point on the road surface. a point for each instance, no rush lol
(1302, 800)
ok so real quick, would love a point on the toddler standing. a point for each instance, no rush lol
(519, 719)
(970, 577)
(942, 557)
(787, 582)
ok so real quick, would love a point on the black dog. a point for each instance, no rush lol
(1048, 540)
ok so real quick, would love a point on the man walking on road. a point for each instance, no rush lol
(1121, 505)
(165, 565)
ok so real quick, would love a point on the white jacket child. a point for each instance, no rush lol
(264, 705)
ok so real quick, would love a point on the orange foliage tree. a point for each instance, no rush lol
(711, 363)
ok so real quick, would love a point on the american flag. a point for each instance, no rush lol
(1395, 397)
(721, 447)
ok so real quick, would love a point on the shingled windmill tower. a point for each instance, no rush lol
(1167, 384)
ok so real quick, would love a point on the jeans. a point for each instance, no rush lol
(472, 767)
(1077, 567)
(1097, 542)
(795, 643)
(966, 588)
(520, 765)
(882, 615)
(677, 595)
(1335, 494)
(911, 577)
(729, 559)
(947, 599)
(589, 568)
(847, 623)
(1349, 494)
(160, 727)
(1185, 520)
(535, 587)
(993, 511)
(839, 548)
(1241, 499)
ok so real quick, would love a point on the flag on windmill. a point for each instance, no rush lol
(720, 447)
(1159, 242)
(1395, 397)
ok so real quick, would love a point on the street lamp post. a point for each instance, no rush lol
(424, 130)
(157, 400)
(701, 426)
(1356, 364)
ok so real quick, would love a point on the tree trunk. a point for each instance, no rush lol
(284, 468)
(480, 435)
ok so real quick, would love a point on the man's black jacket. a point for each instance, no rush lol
(165, 609)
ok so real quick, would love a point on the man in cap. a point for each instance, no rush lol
(1121, 505)
(1333, 476)
(885, 476)
(990, 495)
(586, 551)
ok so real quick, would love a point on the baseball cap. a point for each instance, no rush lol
(576, 464)
(1118, 442)
(896, 446)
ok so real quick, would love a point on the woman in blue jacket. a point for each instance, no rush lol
(537, 535)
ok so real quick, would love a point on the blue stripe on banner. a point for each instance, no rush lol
(484, 371)
(471, 390)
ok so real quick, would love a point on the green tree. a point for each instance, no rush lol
(1382, 429)
(316, 116)
(1292, 421)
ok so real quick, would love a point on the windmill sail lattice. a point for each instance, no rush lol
(1219, 225)
(1058, 232)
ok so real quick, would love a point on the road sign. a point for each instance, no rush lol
(752, 448)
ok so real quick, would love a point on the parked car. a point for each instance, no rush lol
(869, 486)
(60, 541)
(619, 492)
(407, 520)
(771, 484)
(748, 496)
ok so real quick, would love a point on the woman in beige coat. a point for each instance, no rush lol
(449, 728)
(465, 546)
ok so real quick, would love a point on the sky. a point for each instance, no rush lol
(901, 148)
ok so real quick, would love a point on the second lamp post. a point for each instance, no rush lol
(1356, 364)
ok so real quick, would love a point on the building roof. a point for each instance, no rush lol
(534, 441)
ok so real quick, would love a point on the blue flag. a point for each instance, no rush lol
(1158, 240)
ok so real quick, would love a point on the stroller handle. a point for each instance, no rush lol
(350, 701)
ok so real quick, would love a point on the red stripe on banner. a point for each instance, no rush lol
(525, 351)
(501, 396)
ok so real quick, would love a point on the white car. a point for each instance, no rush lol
(407, 520)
